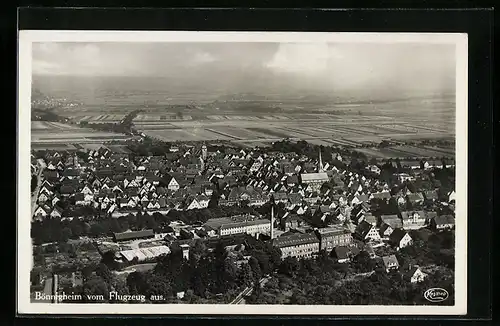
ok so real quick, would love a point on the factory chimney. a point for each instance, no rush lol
(55, 287)
(272, 220)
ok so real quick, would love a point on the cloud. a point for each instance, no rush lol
(300, 58)
(41, 67)
(326, 66)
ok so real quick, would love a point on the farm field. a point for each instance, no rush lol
(102, 118)
(346, 131)
(169, 135)
(54, 147)
(403, 151)
(45, 134)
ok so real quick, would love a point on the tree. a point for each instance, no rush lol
(136, 283)
(76, 229)
(245, 275)
(96, 230)
(289, 266)
(34, 182)
(108, 259)
(95, 286)
(263, 260)
(87, 272)
(197, 251)
(66, 234)
(115, 226)
(104, 272)
(255, 267)
(363, 263)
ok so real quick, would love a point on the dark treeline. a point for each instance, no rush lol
(207, 276)
(47, 115)
(125, 126)
(55, 230)
(322, 281)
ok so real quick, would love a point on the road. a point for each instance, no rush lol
(240, 299)
(137, 268)
(37, 189)
(355, 276)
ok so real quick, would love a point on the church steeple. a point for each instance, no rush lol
(320, 168)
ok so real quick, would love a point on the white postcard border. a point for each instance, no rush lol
(24, 247)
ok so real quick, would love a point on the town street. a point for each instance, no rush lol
(240, 299)
(34, 195)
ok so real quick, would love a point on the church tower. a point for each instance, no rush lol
(204, 152)
(320, 167)
(76, 164)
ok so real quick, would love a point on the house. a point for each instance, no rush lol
(43, 197)
(299, 245)
(314, 180)
(431, 196)
(370, 218)
(133, 235)
(413, 220)
(341, 254)
(403, 177)
(358, 199)
(414, 275)
(172, 183)
(451, 196)
(56, 213)
(400, 238)
(385, 230)
(291, 221)
(367, 231)
(80, 199)
(384, 195)
(416, 198)
(442, 222)
(374, 169)
(40, 211)
(331, 237)
(392, 220)
(390, 263)
(292, 180)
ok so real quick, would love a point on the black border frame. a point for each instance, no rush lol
(477, 23)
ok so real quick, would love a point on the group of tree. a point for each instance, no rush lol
(206, 276)
(57, 230)
(34, 182)
(125, 126)
(324, 281)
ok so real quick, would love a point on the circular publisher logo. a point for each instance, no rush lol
(436, 295)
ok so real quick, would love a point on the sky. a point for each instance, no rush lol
(325, 66)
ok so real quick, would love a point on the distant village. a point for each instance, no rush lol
(301, 205)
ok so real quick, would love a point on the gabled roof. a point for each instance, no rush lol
(390, 260)
(306, 177)
(133, 235)
(342, 252)
(382, 195)
(430, 195)
(411, 271)
(397, 235)
(295, 240)
(363, 228)
(415, 197)
(444, 219)
(409, 214)
(79, 196)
